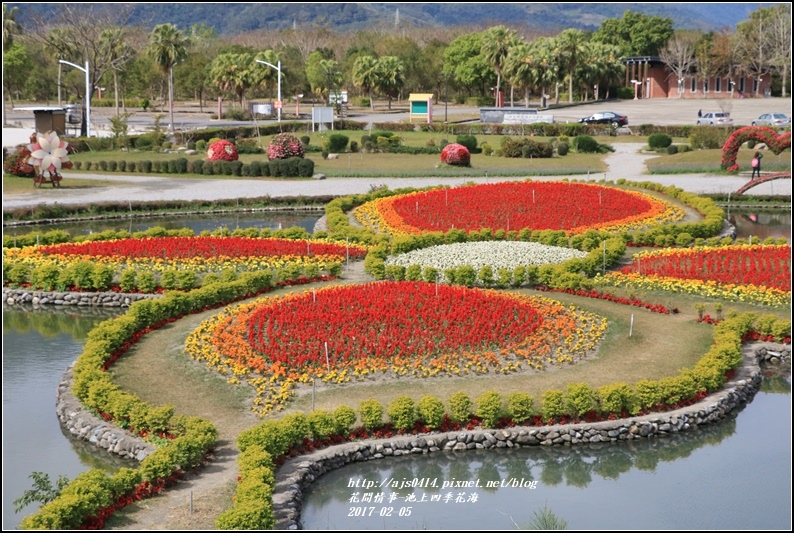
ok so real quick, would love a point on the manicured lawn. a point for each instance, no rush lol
(17, 185)
(708, 161)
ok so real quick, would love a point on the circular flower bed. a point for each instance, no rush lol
(570, 207)
(222, 151)
(456, 154)
(390, 329)
(496, 254)
(284, 146)
(748, 273)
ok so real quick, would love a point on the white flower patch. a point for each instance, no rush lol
(497, 254)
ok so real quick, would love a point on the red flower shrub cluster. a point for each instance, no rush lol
(16, 164)
(222, 151)
(284, 146)
(456, 154)
(776, 143)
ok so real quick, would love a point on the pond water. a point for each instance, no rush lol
(198, 223)
(762, 224)
(732, 475)
(38, 346)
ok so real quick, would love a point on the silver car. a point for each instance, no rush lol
(715, 119)
(773, 119)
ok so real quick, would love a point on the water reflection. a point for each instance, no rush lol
(696, 479)
(761, 224)
(267, 219)
(38, 346)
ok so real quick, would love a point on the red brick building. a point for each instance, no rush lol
(650, 78)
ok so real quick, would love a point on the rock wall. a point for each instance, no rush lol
(82, 299)
(83, 425)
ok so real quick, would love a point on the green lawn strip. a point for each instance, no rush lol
(19, 185)
(708, 161)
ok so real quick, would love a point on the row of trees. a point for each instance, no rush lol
(760, 46)
(199, 64)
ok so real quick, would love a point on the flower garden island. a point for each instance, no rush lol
(500, 306)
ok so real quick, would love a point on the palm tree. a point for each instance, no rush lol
(572, 51)
(233, 73)
(544, 66)
(390, 76)
(168, 46)
(10, 28)
(365, 75)
(496, 44)
(518, 68)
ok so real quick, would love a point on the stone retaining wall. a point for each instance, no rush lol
(82, 299)
(83, 425)
(297, 474)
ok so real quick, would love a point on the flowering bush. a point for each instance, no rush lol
(284, 146)
(456, 154)
(222, 151)
(17, 164)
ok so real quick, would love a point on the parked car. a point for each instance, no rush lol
(606, 117)
(715, 119)
(773, 119)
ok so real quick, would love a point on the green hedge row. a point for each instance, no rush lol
(271, 439)
(292, 167)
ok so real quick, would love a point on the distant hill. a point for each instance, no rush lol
(236, 18)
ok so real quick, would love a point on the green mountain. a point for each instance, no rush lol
(236, 18)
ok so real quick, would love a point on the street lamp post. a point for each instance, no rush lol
(87, 94)
(278, 70)
(636, 88)
(446, 92)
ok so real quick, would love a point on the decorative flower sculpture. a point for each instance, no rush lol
(222, 151)
(284, 146)
(48, 152)
(456, 154)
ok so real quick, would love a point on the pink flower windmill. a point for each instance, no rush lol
(48, 152)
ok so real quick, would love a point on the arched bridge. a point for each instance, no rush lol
(763, 179)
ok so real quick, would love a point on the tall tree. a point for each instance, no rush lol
(571, 45)
(11, 28)
(234, 73)
(496, 44)
(463, 58)
(518, 68)
(365, 75)
(781, 43)
(167, 46)
(679, 57)
(390, 76)
(636, 34)
(63, 46)
(119, 54)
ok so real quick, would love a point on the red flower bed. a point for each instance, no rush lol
(456, 154)
(206, 247)
(762, 266)
(386, 320)
(222, 151)
(656, 308)
(536, 205)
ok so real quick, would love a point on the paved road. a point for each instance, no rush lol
(626, 162)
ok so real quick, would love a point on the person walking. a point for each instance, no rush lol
(756, 164)
(700, 113)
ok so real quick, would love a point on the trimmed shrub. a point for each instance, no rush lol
(344, 418)
(337, 142)
(222, 150)
(371, 414)
(519, 406)
(459, 407)
(284, 146)
(580, 399)
(469, 141)
(489, 408)
(321, 424)
(562, 149)
(584, 144)
(401, 413)
(659, 140)
(127, 281)
(430, 411)
(552, 403)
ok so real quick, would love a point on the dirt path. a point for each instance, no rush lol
(210, 488)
